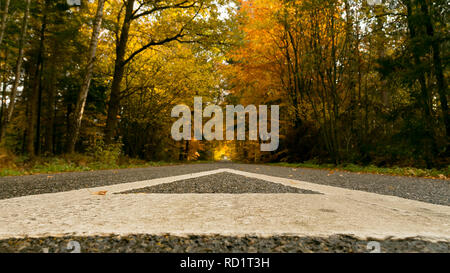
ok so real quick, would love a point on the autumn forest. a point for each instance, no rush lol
(357, 81)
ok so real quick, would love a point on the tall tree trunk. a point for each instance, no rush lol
(4, 87)
(32, 112)
(19, 62)
(4, 21)
(429, 140)
(34, 100)
(119, 68)
(50, 92)
(437, 65)
(77, 115)
(39, 105)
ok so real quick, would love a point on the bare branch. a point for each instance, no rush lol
(181, 5)
(164, 41)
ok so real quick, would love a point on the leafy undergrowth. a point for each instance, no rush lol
(14, 166)
(400, 171)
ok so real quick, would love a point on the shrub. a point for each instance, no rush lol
(105, 154)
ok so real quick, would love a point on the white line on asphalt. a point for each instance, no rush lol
(335, 211)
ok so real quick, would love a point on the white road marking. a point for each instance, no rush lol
(335, 211)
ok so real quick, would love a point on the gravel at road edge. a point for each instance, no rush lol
(217, 244)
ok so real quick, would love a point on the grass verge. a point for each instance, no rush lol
(11, 165)
(73, 163)
(398, 171)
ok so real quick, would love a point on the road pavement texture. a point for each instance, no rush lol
(221, 183)
(223, 207)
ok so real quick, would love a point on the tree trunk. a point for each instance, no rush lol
(4, 87)
(19, 62)
(77, 115)
(32, 113)
(34, 94)
(50, 92)
(119, 68)
(437, 64)
(4, 21)
(429, 141)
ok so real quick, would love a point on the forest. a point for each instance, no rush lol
(357, 81)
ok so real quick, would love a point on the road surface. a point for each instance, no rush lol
(223, 207)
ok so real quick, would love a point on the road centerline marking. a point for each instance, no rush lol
(335, 211)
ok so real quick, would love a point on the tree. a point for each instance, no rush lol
(178, 21)
(77, 115)
(17, 74)
(4, 20)
(370, 79)
(35, 91)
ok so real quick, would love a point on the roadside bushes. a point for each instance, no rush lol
(105, 154)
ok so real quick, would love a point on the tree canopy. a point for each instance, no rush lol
(357, 81)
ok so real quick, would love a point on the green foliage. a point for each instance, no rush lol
(105, 154)
(69, 163)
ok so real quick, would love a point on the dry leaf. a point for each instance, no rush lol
(100, 193)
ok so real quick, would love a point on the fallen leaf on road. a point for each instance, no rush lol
(100, 193)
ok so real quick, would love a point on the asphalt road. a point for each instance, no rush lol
(219, 209)
(420, 189)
